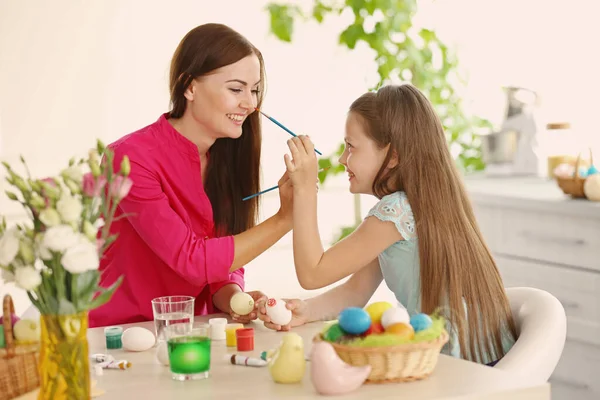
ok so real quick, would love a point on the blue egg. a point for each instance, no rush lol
(592, 170)
(354, 320)
(420, 322)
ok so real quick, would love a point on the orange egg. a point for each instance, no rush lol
(401, 329)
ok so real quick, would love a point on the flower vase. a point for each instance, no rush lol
(64, 364)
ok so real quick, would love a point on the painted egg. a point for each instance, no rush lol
(241, 303)
(401, 329)
(137, 339)
(278, 312)
(354, 320)
(375, 328)
(377, 309)
(592, 170)
(334, 333)
(420, 322)
(395, 315)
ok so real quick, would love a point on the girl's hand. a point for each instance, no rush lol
(299, 310)
(302, 166)
(258, 297)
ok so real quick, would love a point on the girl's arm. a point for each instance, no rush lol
(355, 292)
(317, 268)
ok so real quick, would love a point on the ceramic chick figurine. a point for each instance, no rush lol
(287, 364)
(330, 375)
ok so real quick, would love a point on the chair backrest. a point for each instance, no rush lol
(542, 328)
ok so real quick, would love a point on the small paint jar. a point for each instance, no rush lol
(245, 339)
(217, 328)
(113, 337)
(230, 338)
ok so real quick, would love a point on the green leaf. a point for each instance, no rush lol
(351, 35)
(324, 163)
(86, 285)
(282, 21)
(65, 307)
(319, 11)
(105, 294)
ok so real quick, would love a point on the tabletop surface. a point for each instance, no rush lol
(148, 379)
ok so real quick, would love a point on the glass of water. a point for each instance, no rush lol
(189, 351)
(169, 310)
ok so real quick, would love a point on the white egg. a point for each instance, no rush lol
(394, 315)
(591, 187)
(137, 339)
(278, 312)
(162, 353)
(241, 303)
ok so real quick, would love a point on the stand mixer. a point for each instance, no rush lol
(514, 149)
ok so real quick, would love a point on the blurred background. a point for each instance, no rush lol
(515, 82)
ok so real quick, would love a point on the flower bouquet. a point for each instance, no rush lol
(55, 256)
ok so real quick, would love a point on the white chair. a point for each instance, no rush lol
(542, 329)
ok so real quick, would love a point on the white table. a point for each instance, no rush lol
(453, 379)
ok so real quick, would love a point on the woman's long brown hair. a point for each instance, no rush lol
(455, 262)
(234, 167)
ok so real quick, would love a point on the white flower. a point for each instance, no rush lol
(69, 208)
(40, 248)
(81, 257)
(7, 276)
(9, 246)
(49, 217)
(27, 277)
(60, 238)
(74, 173)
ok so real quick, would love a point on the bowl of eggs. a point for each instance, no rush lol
(398, 347)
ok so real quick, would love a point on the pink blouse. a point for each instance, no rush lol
(166, 244)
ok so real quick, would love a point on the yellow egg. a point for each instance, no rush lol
(401, 329)
(376, 310)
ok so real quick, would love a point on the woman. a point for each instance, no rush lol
(184, 228)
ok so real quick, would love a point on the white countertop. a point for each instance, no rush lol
(528, 192)
(453, 379)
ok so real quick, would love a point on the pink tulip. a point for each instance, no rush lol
(120, 187)
(92, 187)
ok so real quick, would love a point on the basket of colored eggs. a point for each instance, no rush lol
(398, 347)
(577, 180)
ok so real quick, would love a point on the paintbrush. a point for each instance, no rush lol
(271, 188)
(283, 127)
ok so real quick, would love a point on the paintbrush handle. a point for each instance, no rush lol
(272, 188)
(279, 124)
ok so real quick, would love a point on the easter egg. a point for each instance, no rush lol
(241, 303)
(137, 338)
(354, 320)
(395, 315)
(592, 170)
(374, 329)
(13, 319)
(377, 309)
(278, 312)
(27, 330)
(420, 322)
(334, 333)
(401, 329)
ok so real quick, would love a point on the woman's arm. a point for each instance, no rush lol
(200, 260)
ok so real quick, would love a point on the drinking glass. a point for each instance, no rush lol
(189, 351)
(170, 310)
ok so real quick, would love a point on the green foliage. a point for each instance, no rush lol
(402, 52)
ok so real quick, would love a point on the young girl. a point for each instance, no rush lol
(421, 237)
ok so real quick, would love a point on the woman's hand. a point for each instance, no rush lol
(286, 197)
(258, 297)
(299, 310)
(302, 166)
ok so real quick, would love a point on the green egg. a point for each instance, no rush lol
(334, 333)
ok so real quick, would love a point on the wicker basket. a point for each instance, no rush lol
(573, 186)
(402, 363)
(18, 362)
